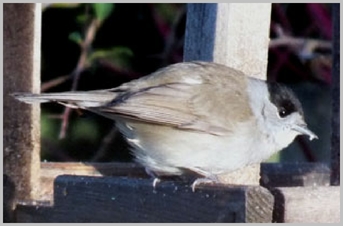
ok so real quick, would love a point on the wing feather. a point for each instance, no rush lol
(180, 105)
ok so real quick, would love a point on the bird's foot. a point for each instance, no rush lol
(155, 182)
(153, 175)
(206, 180)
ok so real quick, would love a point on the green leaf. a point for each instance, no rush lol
(102, 10)
(118, 51)
(82, 19)
(119, 55)
(76, 37)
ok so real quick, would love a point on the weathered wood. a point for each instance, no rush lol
(119, 199)
(335, 132)
(294, 174)
(22, 32)
(234, 34)
(301, 192)
(272, 174)
(307, 204)
(130, 169)
(248, 175)
(51, 170)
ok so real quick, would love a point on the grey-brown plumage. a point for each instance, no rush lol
(197, 116)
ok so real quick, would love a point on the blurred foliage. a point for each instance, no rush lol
(133, 40)
(129, 42)
(119, 54)
(102, 10)
(309, 76)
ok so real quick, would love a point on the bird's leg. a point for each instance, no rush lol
(153, 175)
(208, 178)
(155, 181)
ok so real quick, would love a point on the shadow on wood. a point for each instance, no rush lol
(294, 174)
(121, 199)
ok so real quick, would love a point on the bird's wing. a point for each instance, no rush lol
(203, 107)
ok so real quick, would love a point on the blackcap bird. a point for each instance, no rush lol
(197, 116)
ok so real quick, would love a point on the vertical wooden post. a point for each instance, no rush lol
(335, 137)
(22, 33)
(236, 35)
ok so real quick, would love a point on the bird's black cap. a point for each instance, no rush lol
(284, 99)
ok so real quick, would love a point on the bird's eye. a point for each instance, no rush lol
(283, 112)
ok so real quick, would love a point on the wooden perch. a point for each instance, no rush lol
(119, 199)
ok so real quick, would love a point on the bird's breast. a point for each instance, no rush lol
(168, 149)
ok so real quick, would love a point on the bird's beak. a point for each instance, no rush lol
(302, 129)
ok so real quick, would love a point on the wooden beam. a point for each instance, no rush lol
(121, 199)
(271, 174)
(22, 32)
(51, 170)
(307, 204)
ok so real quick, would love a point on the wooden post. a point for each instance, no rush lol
(335, 137)
(236, 35)
(22, 32)
(233, 34)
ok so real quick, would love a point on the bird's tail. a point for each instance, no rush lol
(73, 99)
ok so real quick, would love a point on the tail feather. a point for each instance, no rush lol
(71, 99)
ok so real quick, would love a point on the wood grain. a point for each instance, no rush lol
(121, 199)
(22, 23)
(307, 204)
(233, 34)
